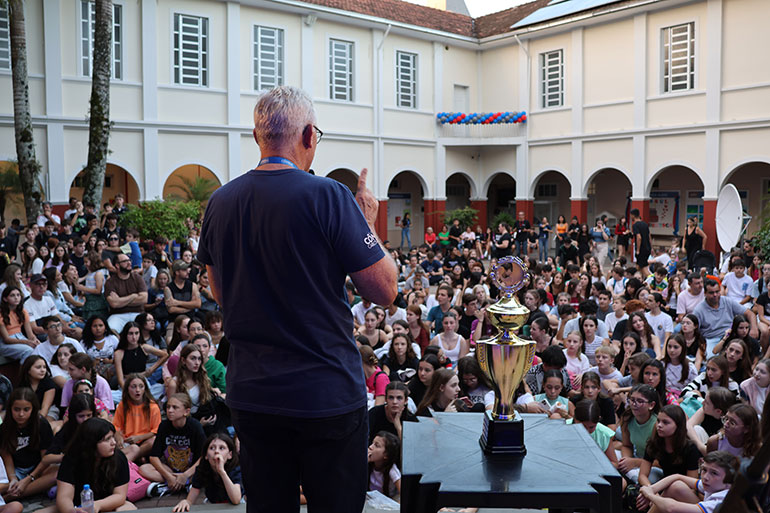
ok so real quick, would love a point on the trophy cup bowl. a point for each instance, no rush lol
(505, 359)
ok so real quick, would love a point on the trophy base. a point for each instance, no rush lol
(503, 437)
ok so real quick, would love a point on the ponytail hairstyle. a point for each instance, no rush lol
(392, 456)
(587, 410)
(83, 361)
(367, 355)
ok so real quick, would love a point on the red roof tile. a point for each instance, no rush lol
(500, 22)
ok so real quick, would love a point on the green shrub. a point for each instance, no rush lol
(466, 215)
(161, 218)
(503, 217)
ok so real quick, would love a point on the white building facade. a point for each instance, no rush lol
(651, 104)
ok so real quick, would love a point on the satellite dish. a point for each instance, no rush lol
(730, 218)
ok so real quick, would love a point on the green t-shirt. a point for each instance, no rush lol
(602, 435)
(442, 236)
(216, 371)
(640, 433)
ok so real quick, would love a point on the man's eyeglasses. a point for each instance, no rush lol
(318, 134)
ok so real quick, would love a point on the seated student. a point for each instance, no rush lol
(632, 345)
(376, 379)
(441, 394)
(384, 456)
(390, 416)
(717, 374)
(618, 313)
(474, 384)
(131, 355)
(81, 409)
(668, 449)
(680, 494)
(740, 330)
(18, 339)
(401, 362)
(218, 473)
(419, 384)
(739, 434)
(679, 371)
(654, 374)
(604, 365)
(739, 361)
(191, 377)
(587, 414)
(136, 419)
(754, 390)
(36, 376)
(92, 459)
(637, 424)
(553, 358)
(81, 366)
(11, 507)
(176, 452)
(624, 384)
(84, 386)
(214, 368)
(707, 421)
(24, 438)
(577, 362)
(558, 406)
(590, 388)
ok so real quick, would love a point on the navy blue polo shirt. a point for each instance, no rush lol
(281, 243)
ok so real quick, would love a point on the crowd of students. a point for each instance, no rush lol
(666, 366)
(121, 367)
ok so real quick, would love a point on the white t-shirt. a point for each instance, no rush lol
(577, 366)
(39, 309)
(482, 394)
(737, 288)
(107, 350)
(376, 480)
(47, 350)
(399, 315)
(614, 374)
(359, 311)
(41, 219)
(611, 321)
(686, 302)
(661, 324)
(710, 500)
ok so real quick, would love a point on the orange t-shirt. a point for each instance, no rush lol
(15, 326)
(135, 421)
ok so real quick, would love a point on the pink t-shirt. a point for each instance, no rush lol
(376, 383)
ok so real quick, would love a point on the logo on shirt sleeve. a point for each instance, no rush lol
(370, 240)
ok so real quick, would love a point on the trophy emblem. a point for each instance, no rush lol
(505, 359)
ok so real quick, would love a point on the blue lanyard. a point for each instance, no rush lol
(278, 160)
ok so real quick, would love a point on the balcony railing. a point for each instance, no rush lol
(482, 125)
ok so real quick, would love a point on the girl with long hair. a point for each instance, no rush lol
(591, 340)
(384, 457)
(54, 278)
(653, 373)
(754, 389)
(717, 373)
(419, 384)
(13, 276)
(637, 323)
(24, 465)
(401, 357)
(376, 336)
(59, 363)
(82, 408)
(669, 448)
(453, 344)
(131, 356)
(417, 328)
(637, 424)
(36, 376)
(556, 286)
(577, 362)
(695, 342)
(587, 414)
(68, 287)
(19, 341)
(474, 384)
(632, 345)
(150, 335)
(93, 287)
(376, 378)
(218, 473)
(740, 329)
(190, 377)
(92, 459)
(591, 389)
(81, 366)
(679, 371)
(220, 346)
(738, 360)
(137, 418)
(100, 342)
(441, 394)
(740, 433)
(59, 257)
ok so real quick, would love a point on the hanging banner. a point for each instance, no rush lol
(664, 212)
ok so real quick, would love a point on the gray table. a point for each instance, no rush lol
(564, 469)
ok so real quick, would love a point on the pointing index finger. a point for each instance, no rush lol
(362, 180)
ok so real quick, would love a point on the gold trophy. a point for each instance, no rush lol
(505, 359)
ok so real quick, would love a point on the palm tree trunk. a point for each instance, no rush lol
(99, 125)
(29, 167)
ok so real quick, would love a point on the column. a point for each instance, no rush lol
(527, 206)
(710, 225)
(149, 63)
(53, 176)
(433, 212)
(481, 206)
(644, 208)
(381, 223)
(579, 208)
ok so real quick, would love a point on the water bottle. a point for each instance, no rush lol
(87, 499)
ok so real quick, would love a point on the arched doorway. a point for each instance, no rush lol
(676, 193)
(752, 180)
(405, 194)
(345, 177)
(191, 181)
(458, 191)
(116, 181)
(551, 193)
(608, 192)
(501, 196)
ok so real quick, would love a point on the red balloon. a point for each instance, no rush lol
(524, 118)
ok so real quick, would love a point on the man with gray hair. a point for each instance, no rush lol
(278, 244)
(48, 215)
